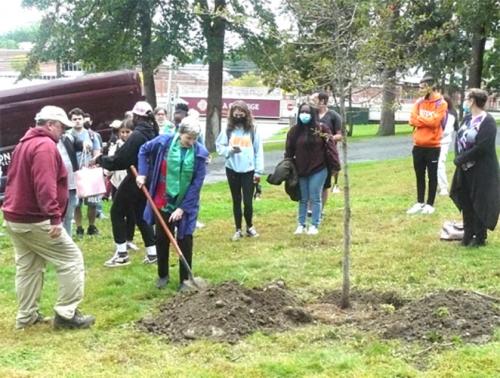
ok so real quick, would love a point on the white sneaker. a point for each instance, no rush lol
(300, 230)
(313, 230)
(237, 235)
(415, 209)
(132, 246)
(252, 232)
(150, 259)
(335, 189)
(428, 209)
(117, 261)
(443, 192)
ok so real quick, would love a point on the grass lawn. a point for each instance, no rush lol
(390, 251)
(277, 141)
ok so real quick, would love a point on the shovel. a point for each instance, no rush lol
(192, 283)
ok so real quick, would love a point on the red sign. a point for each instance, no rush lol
(259, 108)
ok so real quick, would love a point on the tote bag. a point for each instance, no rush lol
(89, 182)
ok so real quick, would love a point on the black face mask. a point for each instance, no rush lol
(240, 119)
(87, 124)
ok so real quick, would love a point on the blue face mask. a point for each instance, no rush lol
(466, 108)
(305, 118)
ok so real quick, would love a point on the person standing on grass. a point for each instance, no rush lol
(68, 148)
(312, 146)
(426, 118)
(36, 197)
(128, 196)
(91, 148)
(175, 166)
(332, 120)
(241, 146)
(475, 188)
(449, 128)
(116, 178)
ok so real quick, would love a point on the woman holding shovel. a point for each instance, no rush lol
(175, 167)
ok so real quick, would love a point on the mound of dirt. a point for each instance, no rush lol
(442, 317)
(227, 313)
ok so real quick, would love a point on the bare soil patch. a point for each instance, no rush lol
(227, 313)
(230, 311)
(441, 317)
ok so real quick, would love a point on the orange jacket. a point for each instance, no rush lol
(426, 117)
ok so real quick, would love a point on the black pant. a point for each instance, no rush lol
(241, 183)
(129, 203)
(426, 158)
(163, 247)
(472, 224)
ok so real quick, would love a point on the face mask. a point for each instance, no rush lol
(466, 108)
(305, 117)
(240, 119)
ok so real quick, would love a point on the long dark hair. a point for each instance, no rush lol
(231, 121)
(451, 110)
(309, 128)
(149, 118)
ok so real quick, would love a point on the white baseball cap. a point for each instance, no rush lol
(115, 124)
(53, 113)
(141, 108)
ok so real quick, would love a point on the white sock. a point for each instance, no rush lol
(121, 247)
(151, 251)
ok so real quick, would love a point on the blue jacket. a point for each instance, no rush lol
(150, 157)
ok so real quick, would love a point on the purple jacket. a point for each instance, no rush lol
(150, 157)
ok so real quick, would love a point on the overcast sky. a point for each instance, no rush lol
(13, 15)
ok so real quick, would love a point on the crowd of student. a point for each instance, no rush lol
(171, 161)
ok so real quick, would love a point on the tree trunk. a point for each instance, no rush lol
(214, 31)
(149, 84)
(350, 121)
(477, 54)
(346, 257)
(147, 56)
(58, 68)
(387, 119)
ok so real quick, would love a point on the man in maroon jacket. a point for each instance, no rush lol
(36, 197)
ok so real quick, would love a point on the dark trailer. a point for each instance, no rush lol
(106, 96)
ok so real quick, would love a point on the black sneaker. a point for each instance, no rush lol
(78, 321)
(92, 230)
(162, 282)
(80, 231)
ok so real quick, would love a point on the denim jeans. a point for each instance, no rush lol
(311, 188)
(70, 211)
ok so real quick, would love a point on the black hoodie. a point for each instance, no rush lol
(126, 155)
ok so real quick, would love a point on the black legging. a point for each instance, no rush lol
(163, 248)
(129, 202)
(472, 223)
(426, 158)
(241, 183)
(130, 218)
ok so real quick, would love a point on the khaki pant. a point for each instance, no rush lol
(34, 248)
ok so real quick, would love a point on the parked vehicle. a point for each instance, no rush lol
(106, 96)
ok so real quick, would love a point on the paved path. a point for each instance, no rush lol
(373, 149)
